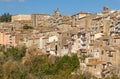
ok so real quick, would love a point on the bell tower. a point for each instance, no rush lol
(56, 13)
(105, 9)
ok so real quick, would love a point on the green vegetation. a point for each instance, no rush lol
(6, 17)
(113, 76)
(44, 68)
(15, 53)
(35, 67)
(27, 27)
(16, 64)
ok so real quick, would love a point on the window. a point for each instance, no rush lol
(91, 50)
(66, 47)
(10, 36)
(10, 42)
(56, 48)
(114, 41)
(102, 52)
(107, 42)
(104, 66)
(83, 44)
(94, 66)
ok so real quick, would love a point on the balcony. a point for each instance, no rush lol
(83, 50)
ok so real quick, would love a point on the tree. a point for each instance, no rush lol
(6, 17)
(38, 67)
(11, 69)
(15, 53)
(41, 67)
(27, 27)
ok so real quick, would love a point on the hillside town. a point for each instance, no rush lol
(94, 37)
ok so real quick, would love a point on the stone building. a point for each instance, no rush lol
(39, 20)
(80, 19)
(7, 38)
(56, 13)
(21, 19)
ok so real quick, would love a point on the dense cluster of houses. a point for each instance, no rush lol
(95, 38)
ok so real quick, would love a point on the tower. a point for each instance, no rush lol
(56, 13)
(105, 9)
